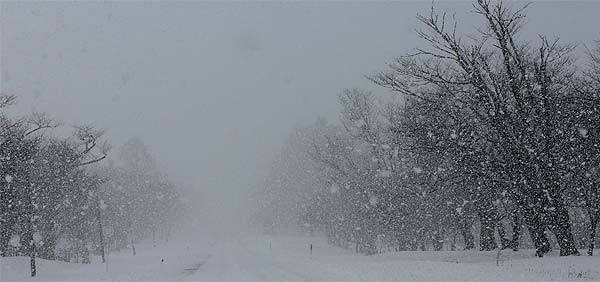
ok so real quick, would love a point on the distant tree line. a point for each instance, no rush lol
(58, 200)
(492, 139)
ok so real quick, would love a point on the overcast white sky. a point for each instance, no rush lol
(213, 87)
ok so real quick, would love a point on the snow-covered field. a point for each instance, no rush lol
(122, 266)
(276, 258)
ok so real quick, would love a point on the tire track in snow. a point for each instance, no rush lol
(191, 270)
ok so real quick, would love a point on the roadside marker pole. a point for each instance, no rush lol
(107, 261)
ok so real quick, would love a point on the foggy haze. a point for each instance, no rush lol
(212, 88)
(215, 88)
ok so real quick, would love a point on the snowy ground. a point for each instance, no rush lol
(288, 258)
(276, 258)
(122, 266)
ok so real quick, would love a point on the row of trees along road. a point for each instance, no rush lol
(489, 133)
(57, 197)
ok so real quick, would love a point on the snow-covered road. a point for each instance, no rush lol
(288, 258)
(232, 260)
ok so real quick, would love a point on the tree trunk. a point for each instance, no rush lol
(370, 248)
(465, 230)
(593, 210)
(100, 229)
(453, 244)
(132, 246)
(102, 249)
(438, 240)
(168, 232)
(536, 228)
(593, 224)
(504, 242)
(32, 261)
(85, 256)
(4, 238)
(153, 237)
(516, 234)
(560, 225)
(487, 242)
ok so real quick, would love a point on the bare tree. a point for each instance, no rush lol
(511, 90)
(92, 148)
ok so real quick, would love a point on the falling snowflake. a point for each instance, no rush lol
(360, 123)
(8, 178)
(15, 241)
(37, 237)
(373, 200)
(385, 173)
(334, 188)
(583, 132)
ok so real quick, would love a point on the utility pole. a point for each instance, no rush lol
(108, 232)
(32, 261)
(99, 218)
